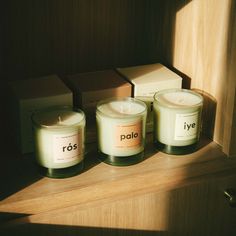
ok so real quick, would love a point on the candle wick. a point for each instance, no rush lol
(59, 119)
(121, 109)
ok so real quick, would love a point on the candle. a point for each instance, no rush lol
(148, 100)
(121, 126)
(177, 120)
(59, 141)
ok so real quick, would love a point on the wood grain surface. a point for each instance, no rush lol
(157, 195)
(25, 192)
(202, 46)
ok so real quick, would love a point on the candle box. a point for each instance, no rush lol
(27, 96)
(91, 87)
(147, 80)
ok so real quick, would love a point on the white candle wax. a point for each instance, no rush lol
(177, 117)
(59, 137)
(121, 126)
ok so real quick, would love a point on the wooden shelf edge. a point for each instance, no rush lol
(103, 183)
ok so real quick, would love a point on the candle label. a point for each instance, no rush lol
(67, 148)
(186, 126)
(128, 135)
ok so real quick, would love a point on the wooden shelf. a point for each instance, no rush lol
(173, 195)
(25, 193)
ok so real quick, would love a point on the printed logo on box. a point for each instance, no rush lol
(67, 147)
(128, 135)
(186, 126)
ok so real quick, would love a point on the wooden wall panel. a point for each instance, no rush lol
(230, 106)
(200, 51)
(70, 36)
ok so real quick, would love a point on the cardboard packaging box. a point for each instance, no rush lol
(27, 96)
(91, 87)
(147, 80)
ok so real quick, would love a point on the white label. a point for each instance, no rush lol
(67, 147)
(186, 126)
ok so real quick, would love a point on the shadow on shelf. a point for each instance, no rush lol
(62, 230)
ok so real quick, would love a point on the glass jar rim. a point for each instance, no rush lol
(63, 108)
(166, 91)
(123, 115)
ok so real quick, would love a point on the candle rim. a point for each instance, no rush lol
(37, 123)
(189, 91)
(123, 115)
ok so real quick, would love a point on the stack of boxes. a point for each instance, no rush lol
(27, 96)
(84, 91)
(147, 80)
(89, 88)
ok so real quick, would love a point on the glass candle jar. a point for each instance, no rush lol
(59, 141)
(177, 120)
(121, 126)
(148, 100)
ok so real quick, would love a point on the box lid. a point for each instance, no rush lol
(46, 86)
(98, 80)
(148, 74)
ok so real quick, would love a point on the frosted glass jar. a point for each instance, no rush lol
(59, 141)
(121, 127)
(177, 120)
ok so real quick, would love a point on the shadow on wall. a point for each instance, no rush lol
(209, 107)
(61, 37)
